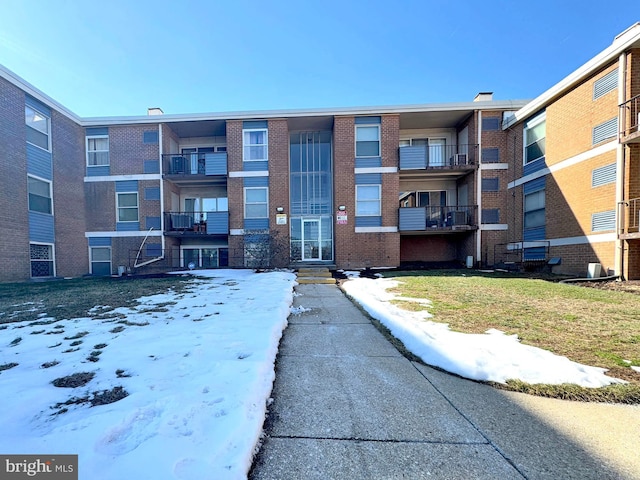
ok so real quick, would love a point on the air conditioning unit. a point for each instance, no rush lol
(460, 159)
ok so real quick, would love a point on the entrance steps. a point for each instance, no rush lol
(309, 275)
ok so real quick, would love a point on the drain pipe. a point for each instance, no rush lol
(620, 166)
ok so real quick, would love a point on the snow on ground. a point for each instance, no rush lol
(198, 367)
(492, 356)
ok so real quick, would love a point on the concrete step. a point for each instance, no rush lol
(314, 273)
(310, 275)
(315, 280)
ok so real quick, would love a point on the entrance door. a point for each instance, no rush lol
(310, 239)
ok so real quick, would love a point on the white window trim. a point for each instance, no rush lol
(50, 194)
(244, 197)
(100, 261)
(266, 145)
(87, 151)
(379, 214)
(528, 125)
(53, 255)
(355, 139)
(199, 247)
(137, 207)
(48, 117)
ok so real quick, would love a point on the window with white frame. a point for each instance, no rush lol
(535, 132)
(256, 202)
(534, 209)
(127, 205)
(98, 151)
(101, 261)
(368, 202)
(38, 127)
(367, 140)
(255, 145)
(39, 195)
(41, 257)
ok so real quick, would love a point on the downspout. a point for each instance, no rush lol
(620, 178)
(479, 191)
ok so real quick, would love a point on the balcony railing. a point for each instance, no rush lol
(438, 157)
(436, 219)
(197, 223)
(630, 218)
(629, 120)
(195, 164)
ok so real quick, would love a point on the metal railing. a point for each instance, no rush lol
(197, 223)
(629, 117)
(437, 156)
(520, 255)
(438, 218)
(195, 163)
(630, 216)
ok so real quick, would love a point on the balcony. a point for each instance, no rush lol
(629, 120)
(438, 157)
(630, 219)
(195, 167)
(198, 224)
(452, 219)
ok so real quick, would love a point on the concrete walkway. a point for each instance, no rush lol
(347, 405)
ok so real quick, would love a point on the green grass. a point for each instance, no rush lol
(587, 325)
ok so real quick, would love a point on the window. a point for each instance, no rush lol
(98, 151)
(534, 209)
(255, 202)
(41, 256)
(534, 139)
(101, 260)
(39, 195)
(368, 200)
(491, 184)
(150, 137)
(255, 145)
(367, 140)
(127, 207)
(490, 215)
(491, 123)
(491, 155)
(37, 127)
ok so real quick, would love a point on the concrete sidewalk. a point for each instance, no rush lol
(347, 405)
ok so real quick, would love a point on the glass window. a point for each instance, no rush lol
(255, 202)
(367, 140)
(534, 139)
(127, 207)
(534, 209)
(41, 257)
(368, 200)
(39, 195)
(255, 145)
(37, 127)
(101, 260)
(97, 151)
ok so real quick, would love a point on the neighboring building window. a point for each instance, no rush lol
(603, 175)
(602, 221)
(605, 131)
(39, 195)
(38, 127)
(127, 207)
(98, 151)
(534, 138)
(367, 140)
(255, 145)
(101, 260)
(605, 84)
(41, 256)
(490, 215)
(256, 202)
(490, 184)
(534, 209)
(368, 200)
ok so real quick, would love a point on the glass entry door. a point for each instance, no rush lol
(310, 239)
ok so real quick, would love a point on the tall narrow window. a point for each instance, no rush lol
(255, 145)
(101, 261)
(39, 195)
(41, 256)
(38, 127)
(127, 204)
(535, 132)
(368, 200)
(98, 151)
(367, 140)
(255, 202)
(534, 209)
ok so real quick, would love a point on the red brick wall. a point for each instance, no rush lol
(127, 152)
(436, 248)
(235, 192)
(279, 189)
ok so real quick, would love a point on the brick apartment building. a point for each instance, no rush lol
(490, 182)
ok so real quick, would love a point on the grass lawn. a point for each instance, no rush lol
(587, 325)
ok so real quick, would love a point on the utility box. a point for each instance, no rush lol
(594, 269)
(470, 261)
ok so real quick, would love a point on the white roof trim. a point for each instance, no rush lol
(621, 43)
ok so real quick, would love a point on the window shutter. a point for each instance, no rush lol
(603, 221)
(606, 130)
(604, 85)
(603, 175)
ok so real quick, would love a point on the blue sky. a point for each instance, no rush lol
(121, 56)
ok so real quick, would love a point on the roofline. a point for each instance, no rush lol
(620, 43)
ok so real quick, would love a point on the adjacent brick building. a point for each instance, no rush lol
(554, 181)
